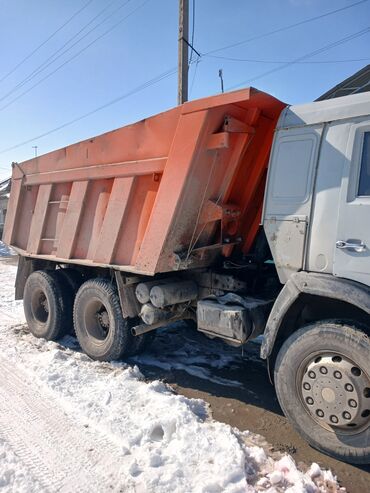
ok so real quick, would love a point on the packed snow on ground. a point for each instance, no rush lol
(168, 442)
(13, 475)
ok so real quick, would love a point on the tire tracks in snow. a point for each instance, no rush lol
(59, 452)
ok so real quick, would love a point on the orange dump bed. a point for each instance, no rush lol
(170, 192)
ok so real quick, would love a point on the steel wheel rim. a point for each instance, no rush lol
(40, 306)
(335, 392)
(97, 320)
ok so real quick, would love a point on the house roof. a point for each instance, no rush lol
(5, 187)
(356, 83)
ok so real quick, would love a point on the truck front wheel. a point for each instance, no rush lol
(322, 377)
(100, 328)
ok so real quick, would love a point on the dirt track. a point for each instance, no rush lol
(252, 405)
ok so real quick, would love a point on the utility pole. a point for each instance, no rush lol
(221, 76)
(183, 51)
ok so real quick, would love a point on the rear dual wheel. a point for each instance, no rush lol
(101, 330)
(322, 377)
(48, 304)
(56, 302)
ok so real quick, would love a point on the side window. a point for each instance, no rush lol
(293, 160)
(364, 181)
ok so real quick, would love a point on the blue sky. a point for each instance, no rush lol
(144, 46)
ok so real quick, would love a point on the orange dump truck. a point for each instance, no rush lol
(212, 212)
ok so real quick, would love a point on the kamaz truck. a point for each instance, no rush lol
(237, 212)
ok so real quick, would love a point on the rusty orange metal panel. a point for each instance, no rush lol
(38, 218)
(72, 219)
(137, 220)
(178, 176)
(173, 191)
(13, 208)
(115, 213)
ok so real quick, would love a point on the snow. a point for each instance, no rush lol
(165, 442)
(12, 476)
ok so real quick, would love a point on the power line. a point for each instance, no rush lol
(74, 56)
(54, 56)
(303, 57)
(172, 71)
(43, 66)
(192, 32)
(253, 60)
(27, 57)
(143, 86)
(285, 28)
(197, 61)
(269, 33)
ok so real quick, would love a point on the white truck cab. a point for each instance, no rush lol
(317, 223)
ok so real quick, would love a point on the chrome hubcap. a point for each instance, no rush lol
(336, 392)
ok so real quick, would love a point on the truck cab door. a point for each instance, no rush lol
(352, 243)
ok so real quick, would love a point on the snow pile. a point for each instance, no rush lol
(168, 441)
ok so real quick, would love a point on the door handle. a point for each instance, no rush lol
(357, 247)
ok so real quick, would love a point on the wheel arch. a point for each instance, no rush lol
(307, 297)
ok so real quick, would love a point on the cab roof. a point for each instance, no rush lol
(325, 111)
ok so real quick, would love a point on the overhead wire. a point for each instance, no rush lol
(285, 28)
(145, 85)
(74, 56)
(137, 89)
(27, 57)
(192, 33)
(193, 21)
(173, 70)
(303, 57)
(55, 56)
(197, 60)
(253, 60)
(209, 53)
(168, 73)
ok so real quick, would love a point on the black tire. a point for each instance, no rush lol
(101, 330)
(320, 370)
(47, 305)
